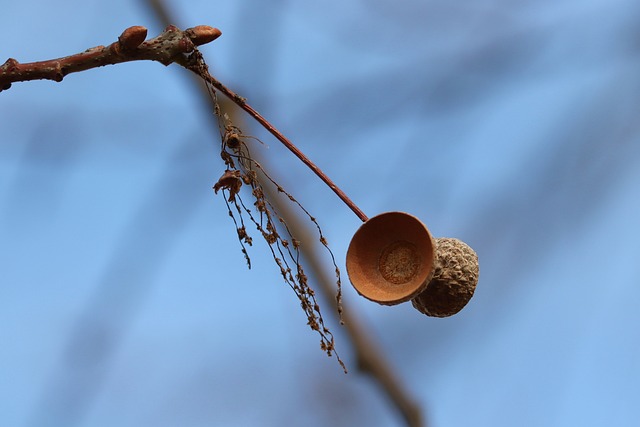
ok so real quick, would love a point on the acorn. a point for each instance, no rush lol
(454, 280)
(392, 258)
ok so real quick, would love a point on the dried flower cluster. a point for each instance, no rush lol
(243, 171)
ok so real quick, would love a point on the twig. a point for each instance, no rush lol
(172, 45)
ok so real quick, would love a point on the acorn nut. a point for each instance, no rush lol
(454, 280)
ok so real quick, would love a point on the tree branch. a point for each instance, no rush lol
(172, 45)
(175, 45)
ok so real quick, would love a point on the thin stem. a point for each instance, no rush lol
(173, 45)
(242, 103)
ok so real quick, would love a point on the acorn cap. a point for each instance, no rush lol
(454, 280)
(391, 258)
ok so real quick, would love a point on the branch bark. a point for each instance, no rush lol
(172, 45)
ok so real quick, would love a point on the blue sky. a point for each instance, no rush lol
(125, 299)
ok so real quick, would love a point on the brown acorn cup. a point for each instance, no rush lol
(393, 258)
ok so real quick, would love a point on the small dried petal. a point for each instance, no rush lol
(231, 181)
(232, 140)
